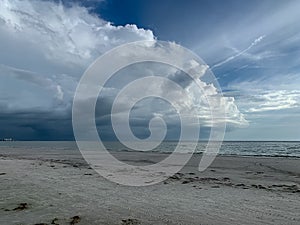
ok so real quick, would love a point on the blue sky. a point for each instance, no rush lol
(252, 47)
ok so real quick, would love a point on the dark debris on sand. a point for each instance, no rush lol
(21, 206)
(74, 220)
(191, 178)
(55, 221)
(130, 222)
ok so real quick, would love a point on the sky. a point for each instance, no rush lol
(251, 47)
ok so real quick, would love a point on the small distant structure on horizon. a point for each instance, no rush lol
(7, 139)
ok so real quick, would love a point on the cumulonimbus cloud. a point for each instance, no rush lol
(46, 46)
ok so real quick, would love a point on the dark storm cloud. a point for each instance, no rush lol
(36, 125)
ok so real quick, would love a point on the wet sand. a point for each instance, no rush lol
(55, 189)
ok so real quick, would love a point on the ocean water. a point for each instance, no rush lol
(244, 148)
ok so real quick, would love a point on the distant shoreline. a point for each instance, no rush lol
(200, 141)
(287, 149)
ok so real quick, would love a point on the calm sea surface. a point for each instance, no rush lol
(284, 149)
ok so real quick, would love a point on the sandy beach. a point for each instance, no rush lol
(149, 112)
(54, 189)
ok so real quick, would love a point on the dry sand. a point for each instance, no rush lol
(54, 189)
